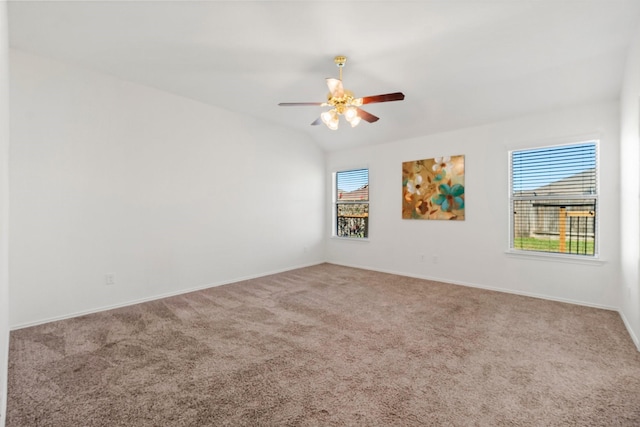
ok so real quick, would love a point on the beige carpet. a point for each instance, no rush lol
(329, 345)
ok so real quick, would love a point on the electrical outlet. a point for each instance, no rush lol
(421, 257)
(110, 279)
(435, 259)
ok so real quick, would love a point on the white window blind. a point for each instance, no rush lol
(554, 199)
(352, 203)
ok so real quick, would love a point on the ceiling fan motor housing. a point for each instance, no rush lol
(341, 103)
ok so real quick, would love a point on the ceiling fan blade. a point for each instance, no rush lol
(368, 117)
(297, 104)
(316, 121)
(396, 96)
(335, 87)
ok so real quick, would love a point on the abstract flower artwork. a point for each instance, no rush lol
(433, 188)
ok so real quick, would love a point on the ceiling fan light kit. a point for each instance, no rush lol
(344, 103)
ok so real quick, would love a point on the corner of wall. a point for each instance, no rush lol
(630, 330)
(630, 190)
(4, 210)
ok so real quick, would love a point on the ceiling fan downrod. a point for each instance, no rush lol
(340, 61)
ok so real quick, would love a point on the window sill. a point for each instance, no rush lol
(574, 259)
(350, 239)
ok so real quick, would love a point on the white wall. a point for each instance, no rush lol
(630, 190)
(164, 192)
(472, 252)
(4, 207)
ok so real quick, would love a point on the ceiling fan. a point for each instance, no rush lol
(344, 103)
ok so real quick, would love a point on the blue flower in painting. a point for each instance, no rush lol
(449, 197)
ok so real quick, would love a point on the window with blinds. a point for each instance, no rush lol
(352, 203)
(554, 199)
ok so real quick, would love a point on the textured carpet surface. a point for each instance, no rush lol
(329, 345)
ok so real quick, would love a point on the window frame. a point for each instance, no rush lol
(336, 203)
(512, 250)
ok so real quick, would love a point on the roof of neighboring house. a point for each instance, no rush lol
(361, 193)
(581, 183)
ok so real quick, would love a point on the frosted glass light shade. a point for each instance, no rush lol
(350, 114)
(326, 117)
(333, 124)
(330, 118)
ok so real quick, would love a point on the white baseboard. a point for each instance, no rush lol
(156, 297)
(488, 288)
(627, 325)
(398, 273)
(629, 330)
(4, 376)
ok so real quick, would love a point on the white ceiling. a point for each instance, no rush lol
(459, 63)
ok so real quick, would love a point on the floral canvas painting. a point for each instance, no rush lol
(433, 188)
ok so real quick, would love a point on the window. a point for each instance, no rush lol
(352, 203)
(554, 199)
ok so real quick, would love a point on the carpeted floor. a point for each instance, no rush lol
(329, 345)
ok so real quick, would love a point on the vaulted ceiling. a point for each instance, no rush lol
(459, 63)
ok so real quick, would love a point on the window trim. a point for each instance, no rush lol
(334, 204)
(555, 256)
